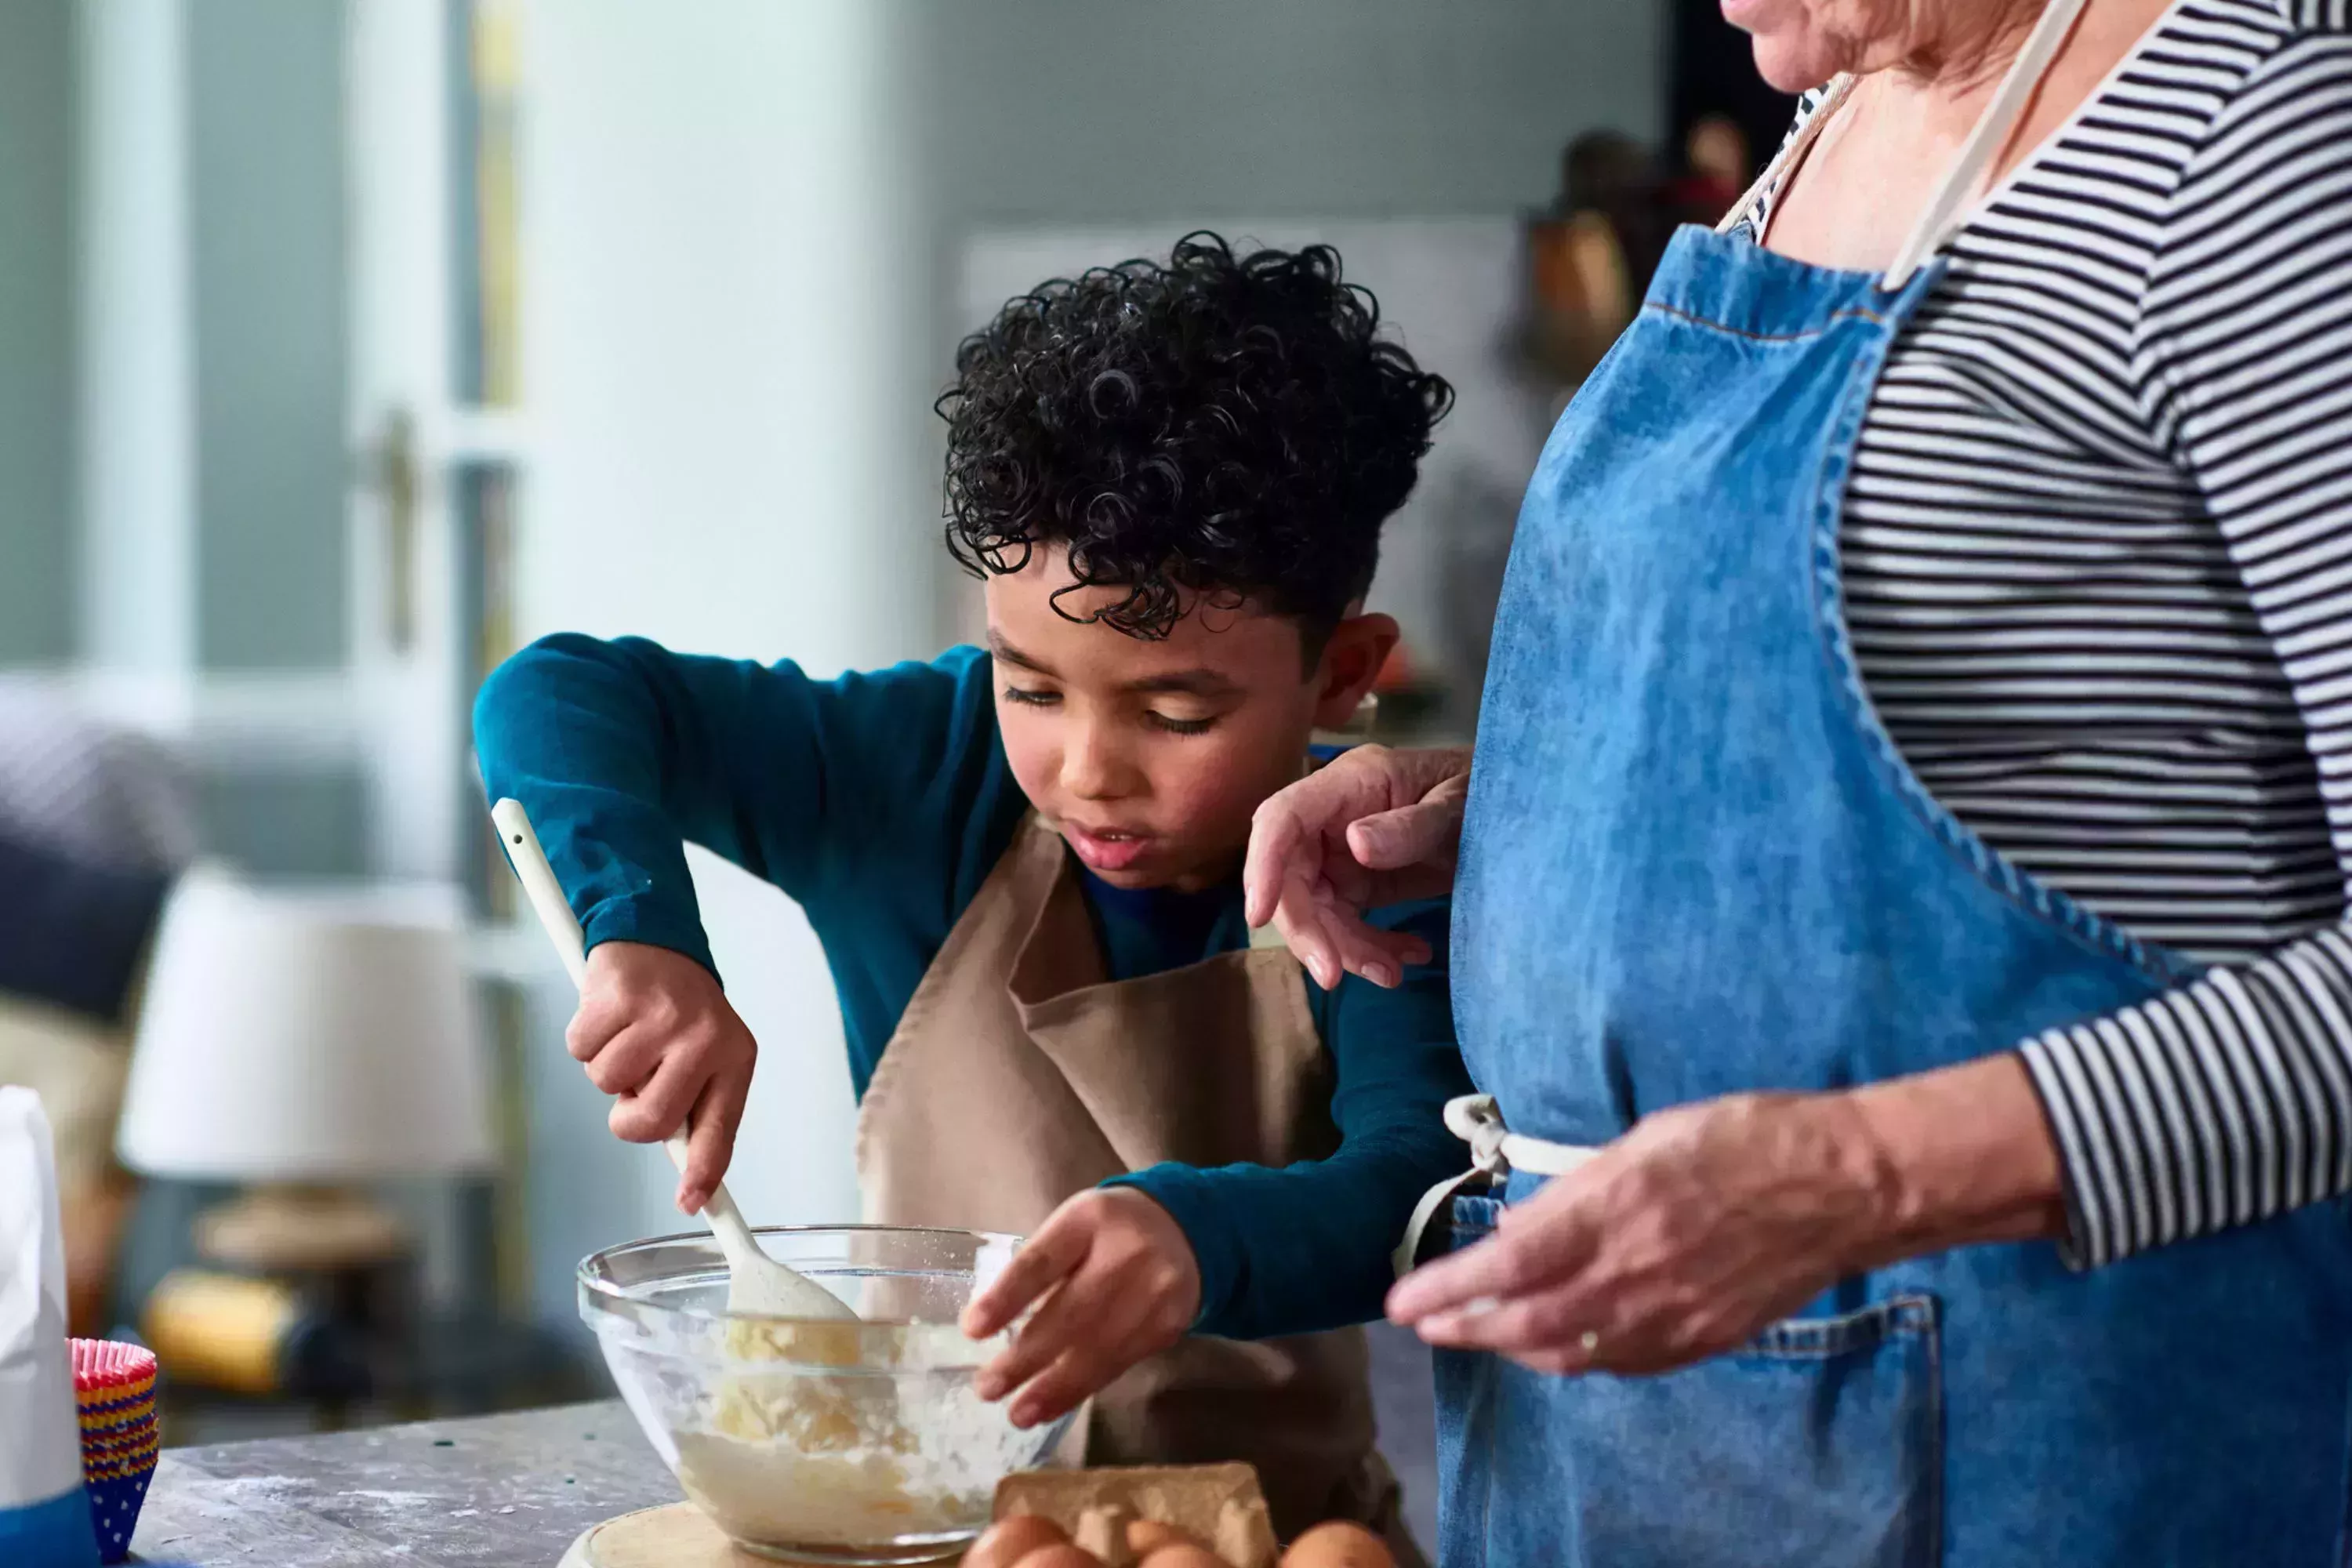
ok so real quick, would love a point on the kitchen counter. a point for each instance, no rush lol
(514, 1491)
(507, 1490)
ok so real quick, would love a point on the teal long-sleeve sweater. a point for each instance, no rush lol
(879, 802)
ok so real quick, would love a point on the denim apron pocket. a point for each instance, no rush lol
(1819, 1443)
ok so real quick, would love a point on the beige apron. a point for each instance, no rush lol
(996, 1100)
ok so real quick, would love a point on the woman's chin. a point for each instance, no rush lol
(1793, 52)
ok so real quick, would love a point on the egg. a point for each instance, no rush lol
(1009, 1541)
(1337, 1545)
(1146, 1536)
(1062, 1556)
(1183, 1555)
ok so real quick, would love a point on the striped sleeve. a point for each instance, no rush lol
(2230, 1099)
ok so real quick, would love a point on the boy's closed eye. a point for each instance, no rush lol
(1172, 723)
(1176, 726)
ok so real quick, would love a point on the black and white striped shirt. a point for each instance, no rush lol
(2097, 551)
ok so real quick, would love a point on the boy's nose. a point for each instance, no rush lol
(1092, 768)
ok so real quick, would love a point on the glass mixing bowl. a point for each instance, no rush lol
(828, 1442)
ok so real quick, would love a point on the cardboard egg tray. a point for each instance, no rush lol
(1218, 1504)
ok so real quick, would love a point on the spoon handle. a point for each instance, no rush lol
(555, 911)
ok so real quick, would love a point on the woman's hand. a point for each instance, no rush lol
(1708, 1222)
(1372, 827)
(1120, 1282)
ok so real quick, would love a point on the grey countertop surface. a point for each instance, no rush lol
(514, 1491)
(507, 1490)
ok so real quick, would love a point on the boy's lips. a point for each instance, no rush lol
(1107, 848)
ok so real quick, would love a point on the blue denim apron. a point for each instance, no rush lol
(1695, 863)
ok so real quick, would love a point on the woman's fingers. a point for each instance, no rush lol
(1379, 956)
(1550, 1323)
(1308, 924)
(1327, 935)
(1279, 852)
(1408, 835)
(1679, 1241)
(1553, 1240)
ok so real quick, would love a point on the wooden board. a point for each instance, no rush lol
(676, 1536)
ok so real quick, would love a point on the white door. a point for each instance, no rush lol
(437, 445)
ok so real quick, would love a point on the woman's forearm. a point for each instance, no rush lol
(1962, 1154)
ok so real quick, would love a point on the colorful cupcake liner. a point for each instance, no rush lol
(125, 1455)
(101, 1363)
(114, 1387)
(127, 1439)
(146, 1448)
(124, 1418)
(118, 1473)
(112, 1383)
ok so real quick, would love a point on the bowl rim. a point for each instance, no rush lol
(620, 1298)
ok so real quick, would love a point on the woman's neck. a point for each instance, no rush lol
(1851, 200)
(1960, 52)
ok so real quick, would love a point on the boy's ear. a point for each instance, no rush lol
(1351, 661)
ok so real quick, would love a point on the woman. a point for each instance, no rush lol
(1900, 839)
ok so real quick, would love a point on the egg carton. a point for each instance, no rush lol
(1218, 1505)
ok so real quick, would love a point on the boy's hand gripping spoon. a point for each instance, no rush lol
(756, 1283)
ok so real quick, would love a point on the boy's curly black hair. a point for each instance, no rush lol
(1223, 427)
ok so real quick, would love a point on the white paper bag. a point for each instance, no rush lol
(44, 1512)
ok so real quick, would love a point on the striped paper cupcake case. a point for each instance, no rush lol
(111, 1367)
(107, 1426)
(114, 1385)
(109, 1453)
(100, 1409)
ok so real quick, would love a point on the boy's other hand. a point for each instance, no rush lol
(656, 1032)
(1119, 1282)
(1372, 827)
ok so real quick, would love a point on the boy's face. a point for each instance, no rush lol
(1151, 757)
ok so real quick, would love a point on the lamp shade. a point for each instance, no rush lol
(299, 1037)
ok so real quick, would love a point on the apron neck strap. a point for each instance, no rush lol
(1942, 216)
(1840, 89)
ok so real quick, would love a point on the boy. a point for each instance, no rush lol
(1023, 864)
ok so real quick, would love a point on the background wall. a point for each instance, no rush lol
(1055, 110)
(268, 268)
(37, 344)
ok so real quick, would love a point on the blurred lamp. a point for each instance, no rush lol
(300, 1043)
